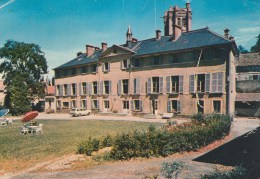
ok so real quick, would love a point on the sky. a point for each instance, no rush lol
(63, 27)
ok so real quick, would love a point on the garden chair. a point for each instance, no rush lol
(24, 130)
(39, 130)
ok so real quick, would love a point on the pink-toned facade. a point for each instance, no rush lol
(182, 72)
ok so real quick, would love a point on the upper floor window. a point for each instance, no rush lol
(83, 69)
(156, 60)
(66, 89)
(94, 68)
(107, 87)
(125, 86)
(155, 85)
(74, 71)
(136, 63)
(137, 86)
(179, 21)
(74, 89)
(125, 64)
(106, 67)
(95, 87)
(174, 84)
(83, 88)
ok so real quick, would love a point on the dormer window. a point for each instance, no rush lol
(114, 51)
(94, 68)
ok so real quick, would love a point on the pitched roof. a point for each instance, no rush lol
(82, 60)
(248, 97)
(188, 40)
(249, 59)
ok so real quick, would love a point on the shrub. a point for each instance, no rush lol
(199, 117)
(236, 173)
(89, 146)
(107, 141)
(170, 170)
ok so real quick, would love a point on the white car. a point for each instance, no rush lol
(79, 112)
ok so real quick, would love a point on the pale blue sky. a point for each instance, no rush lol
(63, 27)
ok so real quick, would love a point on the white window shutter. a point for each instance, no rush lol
(214, 82)
(168, 84)
(87, 89)
(90, 88)
(69, 89)
(101, 87)
(110, 87)
(149, 85)
(178, 106)
(80, 90)
(169, 106)
(207, 83)
(141, 105)
(180, 84)
(98, 107)
(108, 69)
(128, 63)
(98, 89)
(76, 89)
(119, 86)
(161, 85)
(192, 84)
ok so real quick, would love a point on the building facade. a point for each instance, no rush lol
(184, 72)
(248, 85)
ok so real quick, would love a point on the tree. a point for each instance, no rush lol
(256, 47)
(22, 67)
(241, 49)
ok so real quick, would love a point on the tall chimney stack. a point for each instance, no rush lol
(104, 46)
(226, 33)
(89, 50)
(158, 34)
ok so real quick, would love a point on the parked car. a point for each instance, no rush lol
(79, 112)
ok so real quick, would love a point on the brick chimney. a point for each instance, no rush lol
(104, 46)
(176, 32)
(134, 40)
(231, 38)
(158, 34)
(226, 33)
(89, 50)
(97, 48)
(79, 53)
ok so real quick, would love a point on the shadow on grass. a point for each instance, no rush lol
(243, 151)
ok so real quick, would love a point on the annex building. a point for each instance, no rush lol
(183, 71)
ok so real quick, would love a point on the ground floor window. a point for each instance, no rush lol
(174, 106)
(125, 104)
(200, 106)
(83, 104)
(137, 105)
(106, 104)
(95, 104)
(65, 105)
(58, 104)
(217, 106)
(73, 104)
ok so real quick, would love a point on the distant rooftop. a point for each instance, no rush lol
(249, 59)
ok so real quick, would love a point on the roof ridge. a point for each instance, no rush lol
(221, 36)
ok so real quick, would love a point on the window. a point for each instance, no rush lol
(125, 86)
(65, 89)
(84, 88)
(59, 90)
(174, 106)
(65, 105)
(107, 87)
(74, 71)
(173, 59)
(95, 87)
(83, 69)
(125, 104)
(137, 89)
(155, 85)
(200, 83)
(217, 82)
(106, 67)
(156, 60)
(200, 106)
(183, 22)
(217, 106)
(125, 64)
(65, 72)
(175, 84)
(179, 21)
(58, 104)
(83, 104)
(74, 89)
(106, 104)
(94, 68)
(136, 63)
(73, 104)
(137, 105)
(95, 104)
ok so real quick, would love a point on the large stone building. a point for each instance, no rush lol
(185, 71)
(248, 85)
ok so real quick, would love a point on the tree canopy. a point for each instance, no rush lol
(256, 47)
(241, 49)
(22, 67)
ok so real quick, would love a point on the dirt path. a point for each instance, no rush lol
(138, 168)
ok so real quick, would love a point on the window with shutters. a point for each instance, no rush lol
(201, 83)
(125, 104)
(200, 106)
(83, 104)
(73, 89)
(174, 106)
(106, 66)
(59, 90)
(125, 86)
(95, 104)
(73, 104)
(94, 68)
(155, 84)
(95, 87)
(58, 104)
(175, 84)
(136, 105)
(125, 64)
(137, 89)
(65, 88)
(84, 88)
(106, 104)
(217, 106)
(65, 105)
(107, 87)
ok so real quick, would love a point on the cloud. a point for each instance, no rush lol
(250, 30)
(6, 4)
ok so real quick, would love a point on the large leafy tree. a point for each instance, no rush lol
(22, 67)
(256, 47)
(241, 49)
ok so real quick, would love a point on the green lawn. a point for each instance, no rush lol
(60, 137)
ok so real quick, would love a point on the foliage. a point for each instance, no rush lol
(172, 170)
(256, 47)
(199, 117)
(162, 142)
(26, 62)
(89, 146)
(241, 49)
(107, 141)
(236, 173)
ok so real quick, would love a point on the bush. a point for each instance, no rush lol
(236, 173)
(89, 146)
(171, 170)
(107, 141)
(185, 137)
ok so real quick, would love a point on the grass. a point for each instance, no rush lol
(60, 137)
